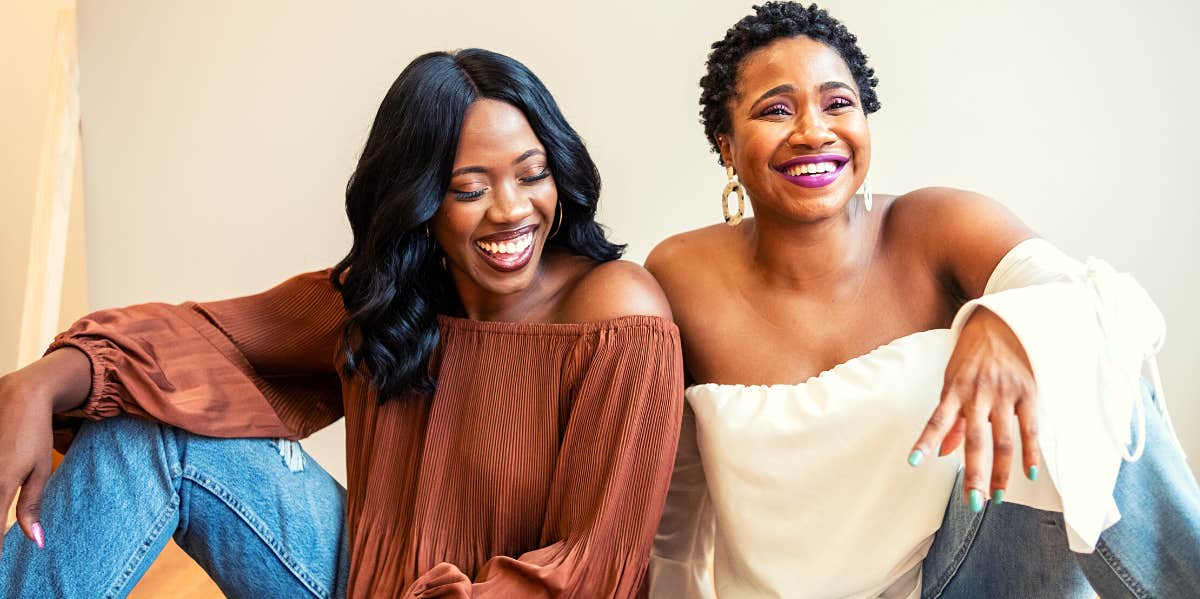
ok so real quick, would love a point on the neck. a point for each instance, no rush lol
(524, 305)
(830, 255)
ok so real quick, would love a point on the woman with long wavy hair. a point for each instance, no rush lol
(844, 344)
(512, 390)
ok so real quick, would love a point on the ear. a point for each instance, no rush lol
(726, 149)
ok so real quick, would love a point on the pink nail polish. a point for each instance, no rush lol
(39, 537)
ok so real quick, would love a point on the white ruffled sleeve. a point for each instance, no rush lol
(1090, 334)
(681, 562)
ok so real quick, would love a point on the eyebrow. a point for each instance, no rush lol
(789, 88)
(479, 169)
(828, 85)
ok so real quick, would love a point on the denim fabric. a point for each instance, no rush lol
(262, 518)
(1016, 551)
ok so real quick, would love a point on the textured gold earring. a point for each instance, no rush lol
(733, 219)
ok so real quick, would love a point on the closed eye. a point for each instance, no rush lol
(535, 178)
(837, 103)
(469, 195)
(776, 110)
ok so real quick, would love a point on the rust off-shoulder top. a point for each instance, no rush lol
(539, 468)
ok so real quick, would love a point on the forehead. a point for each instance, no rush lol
(494, 130)
(800, 61)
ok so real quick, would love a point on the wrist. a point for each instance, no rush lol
(62, 379)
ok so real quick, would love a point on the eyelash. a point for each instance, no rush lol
(775, 110)
(469, 195)
(538, 177)
(473, 195)
(839, 103)
(781, 110)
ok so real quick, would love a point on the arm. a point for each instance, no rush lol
(258, 365)
(614, 461)
(261, 365)
(1048, 345)
(989, 382)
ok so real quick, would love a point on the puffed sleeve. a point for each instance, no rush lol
(1089, 333)
(681, 563)
(256, 366)
(611, 477)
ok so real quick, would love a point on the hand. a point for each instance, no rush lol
(988, 381)
(443, 580)
(28, 399)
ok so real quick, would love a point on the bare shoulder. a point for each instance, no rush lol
(615, 289)
(680, 254)
(947, 213)
(962, 234)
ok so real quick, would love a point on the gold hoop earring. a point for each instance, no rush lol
(558, 221)
(733, 219)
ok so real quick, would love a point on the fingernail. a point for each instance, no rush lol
(39, 537)
(976, 499)
(914, 458)
(1032, 473)
(997, 496)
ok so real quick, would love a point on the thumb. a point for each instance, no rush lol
(29, 505)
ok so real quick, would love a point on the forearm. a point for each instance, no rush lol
(63, 378)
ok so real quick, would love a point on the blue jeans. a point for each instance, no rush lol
(259, 516)
(1016, 551)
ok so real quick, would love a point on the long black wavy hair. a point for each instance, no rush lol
(392, 281)
(772, 21)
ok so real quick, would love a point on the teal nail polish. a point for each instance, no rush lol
(997, 496)
(914, 458)
(976, 499)
(1033, 473)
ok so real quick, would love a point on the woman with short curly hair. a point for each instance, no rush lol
(836, 334)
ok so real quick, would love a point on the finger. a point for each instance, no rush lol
(975, 478)
(954, 437)
(1002, 449)
(1030, 449)
(942, 420)
(6, 495)
(29, 505)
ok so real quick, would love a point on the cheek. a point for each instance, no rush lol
(545, 198)
(452, 225)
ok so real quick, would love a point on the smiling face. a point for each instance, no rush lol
(799, 139)
(499, 207)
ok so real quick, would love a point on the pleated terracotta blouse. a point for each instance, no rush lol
(539, 468)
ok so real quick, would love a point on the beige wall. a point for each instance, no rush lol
(27, 30)
(219, 135)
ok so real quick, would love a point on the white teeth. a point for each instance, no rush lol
(811, 168)
(513, 246)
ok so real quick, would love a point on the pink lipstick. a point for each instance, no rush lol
(813, 170)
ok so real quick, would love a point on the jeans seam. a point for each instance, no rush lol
(1127, 579)
(259, 529)
(959, 557)
(139, 554)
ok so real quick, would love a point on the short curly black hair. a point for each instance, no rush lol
(770, 22)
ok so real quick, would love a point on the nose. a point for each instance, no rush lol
(811, 131)
(509, 205)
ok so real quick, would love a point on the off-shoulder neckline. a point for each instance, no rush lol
(894, 343)
(555, 328)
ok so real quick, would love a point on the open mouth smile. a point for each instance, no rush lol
(817, 170)
(509, 250)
